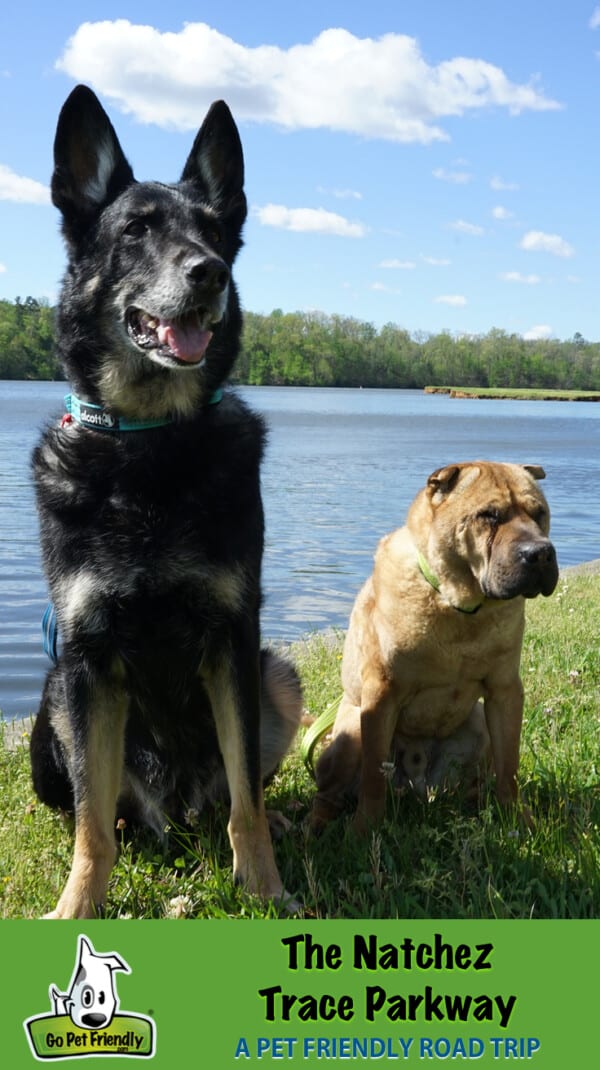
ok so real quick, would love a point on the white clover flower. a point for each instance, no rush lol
(180, 906)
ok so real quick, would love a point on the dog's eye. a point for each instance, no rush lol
(489, 516)
(214, 235)
(87, 996)
(136, 228)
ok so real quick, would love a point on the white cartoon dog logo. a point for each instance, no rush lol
(91, 1001)
(86, 1020)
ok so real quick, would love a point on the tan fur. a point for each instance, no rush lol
(250, 825)
(253, 859)
(95, 848)
(425, 764)
(146, 400)
(416, 659)
(229, 587)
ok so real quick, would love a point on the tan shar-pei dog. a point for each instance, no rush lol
(437, 626)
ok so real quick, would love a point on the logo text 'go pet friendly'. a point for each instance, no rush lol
(84, 1020)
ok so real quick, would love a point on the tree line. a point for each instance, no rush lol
(27, 340)
(316, 349)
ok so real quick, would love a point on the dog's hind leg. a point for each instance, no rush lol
(234, 692)
(97, 727)
(49, 763)
(338, 767)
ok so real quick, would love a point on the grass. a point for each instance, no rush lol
(514, 394)
(436, 860)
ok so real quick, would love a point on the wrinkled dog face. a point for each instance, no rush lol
(497, 519)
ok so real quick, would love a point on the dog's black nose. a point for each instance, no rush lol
(539, 552)
(539, 558)
(93, 1021)
(210, 272)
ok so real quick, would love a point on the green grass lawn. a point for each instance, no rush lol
(428, 860)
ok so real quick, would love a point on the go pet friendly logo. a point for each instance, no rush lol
(85, 1021)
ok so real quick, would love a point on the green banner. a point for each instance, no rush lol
(292, 993)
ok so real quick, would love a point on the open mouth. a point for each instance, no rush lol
(183, 339)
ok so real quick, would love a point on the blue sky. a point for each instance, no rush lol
(421, 162)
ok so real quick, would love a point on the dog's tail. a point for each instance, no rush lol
(281, 709)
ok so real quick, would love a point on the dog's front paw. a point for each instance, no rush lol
(366, 819)
(71, 907)
(323, 811)
(63, 915)
(267, 885)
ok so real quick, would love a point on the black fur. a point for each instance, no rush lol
(152, 540)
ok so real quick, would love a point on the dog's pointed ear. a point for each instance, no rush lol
(443, 479)
(114, 962)
(90, 169)
(86, 950)
(216, 162)
(535, 470)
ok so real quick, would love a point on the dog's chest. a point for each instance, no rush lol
(438, 711)
(438, 683)
(166, 542)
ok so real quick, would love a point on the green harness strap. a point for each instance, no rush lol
(316, 732)
(435, 583)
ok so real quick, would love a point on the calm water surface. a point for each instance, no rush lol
(341, 469)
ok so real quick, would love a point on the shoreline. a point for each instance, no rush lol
(513, 394)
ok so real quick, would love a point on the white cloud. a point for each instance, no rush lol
(401, 265)
(382, 287)
(376, 87)
(516, 276)
(595, 19)
(500, 184)
(455, 300)
(499, 212)
(436, 261)
(536, 241)
(466, 228)
(15, 187)
(347, 194)
(459, 178)
(535, 334)
(3, 269)
(308, 220)
(341, 194)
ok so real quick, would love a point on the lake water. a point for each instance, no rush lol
(341, 469)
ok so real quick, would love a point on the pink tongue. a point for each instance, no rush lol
(187, 343)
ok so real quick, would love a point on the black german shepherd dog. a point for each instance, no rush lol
(150, 514)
